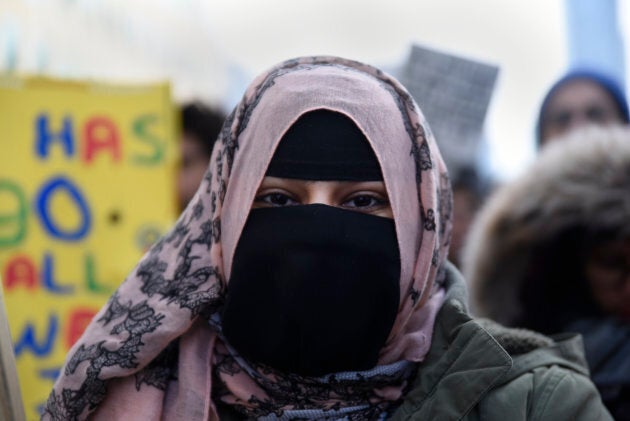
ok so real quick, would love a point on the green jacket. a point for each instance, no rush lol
(479, 370)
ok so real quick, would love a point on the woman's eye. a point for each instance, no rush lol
(364, 201)
(276, 199)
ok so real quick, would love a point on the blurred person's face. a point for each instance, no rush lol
(578, 103)
(193, 167)
(608, 273)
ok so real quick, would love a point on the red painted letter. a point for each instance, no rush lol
(100, 133)
(78, 321)
(20, 270)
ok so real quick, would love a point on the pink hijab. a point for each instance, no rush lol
(154, 352)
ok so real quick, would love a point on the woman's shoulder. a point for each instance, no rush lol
(549, 379)
(543, 392)
(478, 369)
(529, 349)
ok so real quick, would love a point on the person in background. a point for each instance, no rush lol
(309, 280)
(551, 252)
(580, 98)
(469, 193)
(200, 127)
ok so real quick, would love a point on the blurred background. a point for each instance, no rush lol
(210, 50)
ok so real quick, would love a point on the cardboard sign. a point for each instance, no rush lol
(453, 93)
(87, 184)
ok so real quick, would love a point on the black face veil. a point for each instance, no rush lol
(315, 289)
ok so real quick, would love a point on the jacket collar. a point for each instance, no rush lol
(463, 364)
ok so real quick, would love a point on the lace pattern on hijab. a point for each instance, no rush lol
(346, 395)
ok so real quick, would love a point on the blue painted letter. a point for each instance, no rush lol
(43, 136)
(43, 200)
(29, 341)
(48, 277)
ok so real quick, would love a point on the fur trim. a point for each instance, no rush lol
(515, 341)
(583, 180)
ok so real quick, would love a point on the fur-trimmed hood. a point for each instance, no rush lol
(581, 181)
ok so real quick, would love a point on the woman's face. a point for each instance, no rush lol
(577, 103)
(608, 273)
(368, 197)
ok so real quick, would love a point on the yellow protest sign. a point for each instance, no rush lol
(87, 183)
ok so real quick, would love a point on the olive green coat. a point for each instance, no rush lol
(479, 370)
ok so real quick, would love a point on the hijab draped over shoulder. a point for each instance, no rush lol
(155, 350)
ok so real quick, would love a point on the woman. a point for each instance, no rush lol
(306, 277)
(580, 98)
(551, 252)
